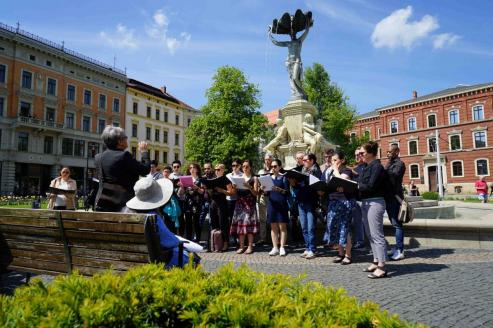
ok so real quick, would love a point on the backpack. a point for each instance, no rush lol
(216, 240)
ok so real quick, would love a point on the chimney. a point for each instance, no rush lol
(163, 89)
(415, 94)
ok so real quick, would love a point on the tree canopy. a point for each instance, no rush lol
(230, 125)
(333, 107)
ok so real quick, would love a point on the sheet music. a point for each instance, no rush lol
(186, 181)
(266, 182)
(239, 182)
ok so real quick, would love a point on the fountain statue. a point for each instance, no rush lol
(296, 130)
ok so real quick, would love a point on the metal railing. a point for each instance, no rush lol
(60, 47)
(36, 121)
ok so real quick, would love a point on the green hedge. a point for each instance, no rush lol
(149, 296)
(430, 195)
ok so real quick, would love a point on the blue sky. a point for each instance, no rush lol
(378, 52)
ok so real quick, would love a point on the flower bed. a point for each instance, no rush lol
(149, 296)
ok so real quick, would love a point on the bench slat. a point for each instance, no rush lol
(31, 231)
(40, 265)
(36, 246)
(103, 263)
(109, 255)
(42, 256)
(103, 217)
(31, 239)
(33, 270)
(73, 235)
(25, 221)
(104, 226)
(30, 213)
(104, 245)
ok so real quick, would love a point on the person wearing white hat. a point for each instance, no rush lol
(150, 196)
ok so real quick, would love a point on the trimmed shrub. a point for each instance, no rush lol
(430, 195)
(149, 296)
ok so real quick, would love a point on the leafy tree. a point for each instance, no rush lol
(230, 126)
(333, 107)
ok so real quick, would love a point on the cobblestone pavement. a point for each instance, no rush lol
(440, 287)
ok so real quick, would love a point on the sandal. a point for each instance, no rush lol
(347, 260)
(241, 250)
(382, 275)
(249, 250)
(338, 259)
(371, 268)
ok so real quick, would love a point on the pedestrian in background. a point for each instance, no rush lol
(482, 189)
(59, 201)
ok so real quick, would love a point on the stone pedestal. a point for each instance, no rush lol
(293, 114)
(286, 154)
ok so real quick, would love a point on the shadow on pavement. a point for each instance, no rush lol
(413, 268)
(10, 281)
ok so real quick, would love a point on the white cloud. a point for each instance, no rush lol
(160, 18)
(396, 30)
(444, 39)
(123, 38)
(158, 31)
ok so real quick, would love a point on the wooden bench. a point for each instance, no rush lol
(58, 242)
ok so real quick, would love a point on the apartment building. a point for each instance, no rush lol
(463, 117)
(54, 103)
(155, 116)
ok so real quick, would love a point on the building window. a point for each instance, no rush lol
(101, 125)
(453, 117)
(116, 123)
(156, 155)
(48, 63)
(68, 146)
(86, 124)
(148, 112)
(48, 145)
(177, 139)
(134, 130)
(135, 108)
(3, 73)
(158, 115)
(79, 147)
(2, 105)
(457, 170)
(22, 141)
(394, 126)
(51, 87)
(71, 93)
(156, 135)
(165, 136)
(353, 136)
(69, 120)
(116, 105)
(414, 171)
(165, 157)
(92, 149)
(87, 97)
(432, 120)
(134, 152)
(32, 57)
(455, 142)
(432, 145)
(482, 167)
(413, 147)
(102, 101)
(177, 157)
(189, 120)
(411, 124)
(25, 110)
(480, 139)
(148, 133)
(367, 134)
(166, 117)
(478, 112)
(27, 80)
(177, 119)
(50, 114)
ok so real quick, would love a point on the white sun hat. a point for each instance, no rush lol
(150, 194)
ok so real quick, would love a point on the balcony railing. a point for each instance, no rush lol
(61, 48)
(38, 122)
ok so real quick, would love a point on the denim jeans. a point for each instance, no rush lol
(307, 221)
(393, 207)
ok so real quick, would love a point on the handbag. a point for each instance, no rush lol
(406, 211)
(111, 196)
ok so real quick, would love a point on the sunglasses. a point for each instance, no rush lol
(234, 165)
(217, 169)
(176, 167)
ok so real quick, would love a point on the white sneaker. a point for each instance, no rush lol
(282, 252)
(305, 253)
(274, 252)
(398, 255)
(310, 255)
